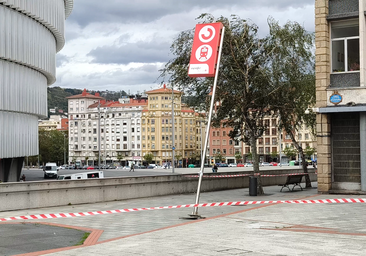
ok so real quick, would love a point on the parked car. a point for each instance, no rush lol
(265, 164)
(85, 166)
(224, 165)
(248, 165)
(90, 168)
(240, 165)
(273, 163)
(233, 165)
(191, 166)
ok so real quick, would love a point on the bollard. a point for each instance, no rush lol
(253, 185)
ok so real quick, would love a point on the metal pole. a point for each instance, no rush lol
(99, 134)
(202, 158)
(173, 142)
(280, 130)
(105, 135)
(195, 211)
(64, 150)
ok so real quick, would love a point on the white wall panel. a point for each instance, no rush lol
(31, 32)
(18, 134)
(22, 89)
(50, 13)
(27, 42)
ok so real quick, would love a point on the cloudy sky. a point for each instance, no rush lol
(121, 44)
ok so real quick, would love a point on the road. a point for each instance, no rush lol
(34, 174)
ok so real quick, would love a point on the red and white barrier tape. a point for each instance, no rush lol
(80, 214)
(219, 176)
(243, 175)
(287, 174)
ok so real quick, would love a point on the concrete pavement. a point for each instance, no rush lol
(263, 229)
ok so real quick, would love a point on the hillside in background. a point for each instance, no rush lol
(56, 97)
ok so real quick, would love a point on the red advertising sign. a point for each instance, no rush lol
(205, 50)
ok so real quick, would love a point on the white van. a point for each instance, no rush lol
(83, 175)
(50, 170)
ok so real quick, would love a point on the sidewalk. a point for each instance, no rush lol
(257, 229)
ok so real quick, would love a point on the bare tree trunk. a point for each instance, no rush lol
(253, 145)
(303, 162)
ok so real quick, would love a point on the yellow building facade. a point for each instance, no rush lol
(158, 136)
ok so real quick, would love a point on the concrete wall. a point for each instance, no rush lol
(26, 195)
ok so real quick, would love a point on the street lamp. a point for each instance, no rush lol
(64, 149)
(99, 134)
(106, 111)
(173, 142)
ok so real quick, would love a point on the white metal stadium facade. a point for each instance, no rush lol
(31, 32)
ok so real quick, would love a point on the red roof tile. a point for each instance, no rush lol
(85, 94)
(163, 90)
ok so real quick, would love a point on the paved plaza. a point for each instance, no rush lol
(255, 229)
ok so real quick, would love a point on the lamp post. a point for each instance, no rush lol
(64, 149)
(106, 111)
(173, 142)
(99, 134)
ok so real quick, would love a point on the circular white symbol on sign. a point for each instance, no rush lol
(206, 34)
(203, 53)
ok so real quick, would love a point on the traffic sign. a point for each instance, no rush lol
(205, 50)
(173, 148)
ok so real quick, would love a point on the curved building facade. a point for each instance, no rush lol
(31, 33)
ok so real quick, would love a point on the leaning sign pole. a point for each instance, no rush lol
(205, 62)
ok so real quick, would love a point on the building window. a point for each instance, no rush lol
(345, 46)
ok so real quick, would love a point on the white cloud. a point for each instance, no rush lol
(121, 45)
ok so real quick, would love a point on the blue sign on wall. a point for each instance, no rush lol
(335, 98)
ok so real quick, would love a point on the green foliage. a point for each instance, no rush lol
(238, 156)
(290, 152)
(119, 157)
(56, 97)
(52, 145)
(149, 158)
(220, 157)
(258, 77)
(308, 151)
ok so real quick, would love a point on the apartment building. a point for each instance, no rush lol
(222, 145)
(269, 145)
(161, 137)
(340, 36)
(55, 122)
(103, 128)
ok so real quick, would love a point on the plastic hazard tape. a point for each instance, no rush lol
(242, 175)
(287, 174)
(81, 214)
(219, 176)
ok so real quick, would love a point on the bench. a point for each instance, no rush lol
(292, 180)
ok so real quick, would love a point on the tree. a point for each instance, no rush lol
(177, 158)
(219, 156)
(308, 151)
(242, 84)
(52, 146)
(248, 82)
(290, 152)
(293, 74)
(274, 154)
(238, 156)
(148, 157)
(119, 157)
